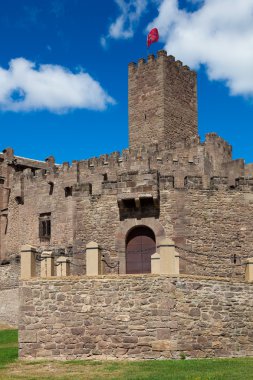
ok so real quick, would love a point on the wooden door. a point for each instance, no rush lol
(140, 245)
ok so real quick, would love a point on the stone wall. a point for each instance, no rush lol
(9, 306)
(175, 178)
(213, 227)
(142, 317)
(9, 297)
(9, 275)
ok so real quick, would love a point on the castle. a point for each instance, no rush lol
(167, 184)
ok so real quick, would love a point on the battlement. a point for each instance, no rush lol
(161, 56)
(128, 174)
(185, 157)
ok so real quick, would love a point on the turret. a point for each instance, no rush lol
(162, 101)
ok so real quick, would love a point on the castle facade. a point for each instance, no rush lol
(167, 184)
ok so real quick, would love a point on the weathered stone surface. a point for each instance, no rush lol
(9, 300)
(127, 326)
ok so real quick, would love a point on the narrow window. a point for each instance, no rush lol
(19, 200)
(68, 191)
(45, 226)
(51, 188)
(105, 177)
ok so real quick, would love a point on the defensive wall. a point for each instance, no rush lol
(9, 291)
(201, 199)
(135, 317)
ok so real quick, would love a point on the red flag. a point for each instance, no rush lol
(153, 36)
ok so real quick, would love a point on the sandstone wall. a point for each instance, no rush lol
(9, 275)
(144, 317)
(9, 306)
(9, 297)
(23, 219)
(213, 227)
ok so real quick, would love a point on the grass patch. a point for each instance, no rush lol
(8, 347)
(8, 337)
(204, 369)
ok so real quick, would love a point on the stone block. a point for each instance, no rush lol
(27, 336)
(164, 345)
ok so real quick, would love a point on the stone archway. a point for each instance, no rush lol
(125, 227)
(140, 245)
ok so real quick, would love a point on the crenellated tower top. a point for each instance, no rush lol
(162, 101)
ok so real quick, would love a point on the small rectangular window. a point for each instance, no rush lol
(68, 191)
(51, 188)
(45, 226)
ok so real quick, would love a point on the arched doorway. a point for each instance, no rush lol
(140, 245)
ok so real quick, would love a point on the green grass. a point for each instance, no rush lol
(204, 369)
(8, 347)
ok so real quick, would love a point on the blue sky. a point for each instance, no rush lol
(63, 70)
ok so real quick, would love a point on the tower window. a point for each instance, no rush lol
(45, 226)
(68, 191)
(19, 200)
(51, 188)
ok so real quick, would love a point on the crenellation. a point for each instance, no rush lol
(219, 183)
(248, 170)
(161, 53)
(151, 58)
(186, 68)
(171, 58)
(141, 62)
(244, 183)
(192, 182)
(179, 63)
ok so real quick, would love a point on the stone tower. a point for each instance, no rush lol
(162, 101)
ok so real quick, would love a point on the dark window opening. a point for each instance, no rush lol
(146, 202)
(19, 200)
(45, 226)
(51, 188)
(105, 177)
(68, 191)
(129, 203)
(145, 117)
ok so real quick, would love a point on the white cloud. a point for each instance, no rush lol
(25, 87)
(124, 25)
(219, 35)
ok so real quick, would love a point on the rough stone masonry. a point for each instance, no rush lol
(137, 317)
